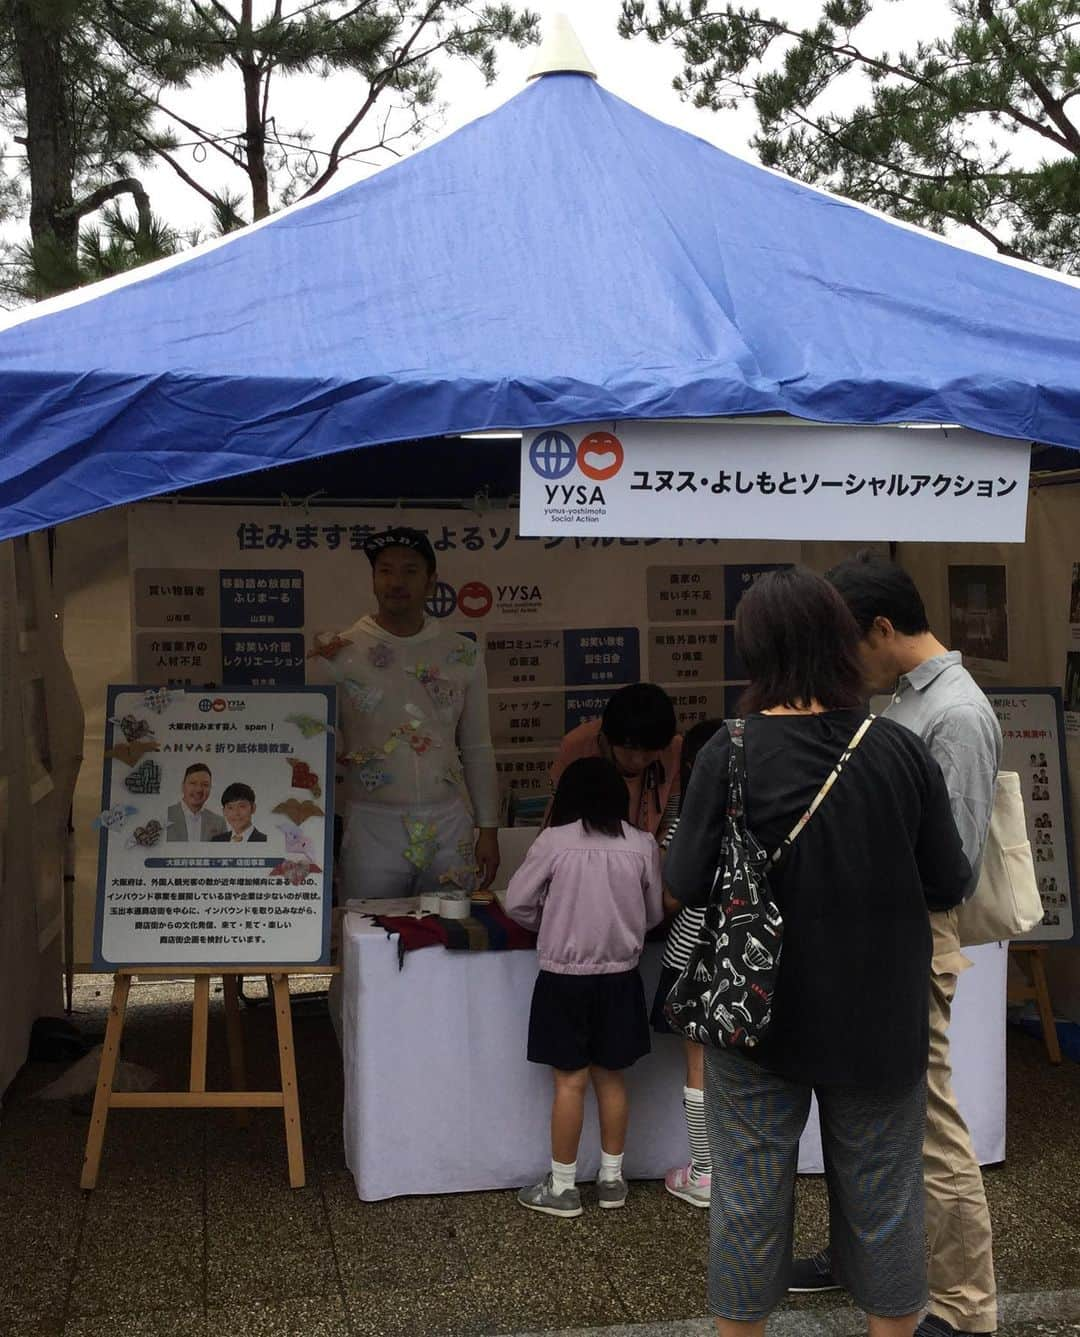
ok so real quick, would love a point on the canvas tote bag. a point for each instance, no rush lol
(1006, 901)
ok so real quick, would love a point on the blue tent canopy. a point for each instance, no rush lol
(565, 259)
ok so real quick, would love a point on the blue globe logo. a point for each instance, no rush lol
(443, 600)
(552, 455)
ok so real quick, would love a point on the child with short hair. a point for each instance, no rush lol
(591, 883)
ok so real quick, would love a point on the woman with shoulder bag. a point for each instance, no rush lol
(858, 821)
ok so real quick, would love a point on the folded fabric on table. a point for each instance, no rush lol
(487, 929)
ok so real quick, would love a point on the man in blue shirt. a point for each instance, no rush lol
(934, 696)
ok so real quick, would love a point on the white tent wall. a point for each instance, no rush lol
(40, 753)
(92, 570)
(93, 579)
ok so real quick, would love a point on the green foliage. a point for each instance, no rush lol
(974, 128)
(106, 249)
(89, 95)
(383, 54)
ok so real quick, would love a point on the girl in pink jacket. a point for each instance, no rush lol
(591, 882)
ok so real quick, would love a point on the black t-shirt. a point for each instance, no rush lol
(852, 996)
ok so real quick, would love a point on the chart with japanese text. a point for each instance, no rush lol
(562, 622)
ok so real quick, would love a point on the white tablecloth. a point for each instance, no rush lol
(439, 1097)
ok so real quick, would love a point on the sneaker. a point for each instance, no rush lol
(611, 1192)
(933, 1325)
(809, 1275)
(683, 1183)
(543, 1198)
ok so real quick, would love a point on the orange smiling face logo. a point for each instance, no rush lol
(600, 456)
(475, 599)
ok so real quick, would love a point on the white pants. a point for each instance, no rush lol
(389, 851)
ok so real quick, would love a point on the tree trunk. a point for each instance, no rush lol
(49, 145)
(254, 127)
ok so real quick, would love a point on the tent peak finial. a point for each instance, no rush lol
(561, 52)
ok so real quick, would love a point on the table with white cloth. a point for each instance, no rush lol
(440, 1098)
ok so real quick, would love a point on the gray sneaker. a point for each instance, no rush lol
(611, 1192)
(543, 1198)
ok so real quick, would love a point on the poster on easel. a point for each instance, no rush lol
(1033, 745)
(216, 828)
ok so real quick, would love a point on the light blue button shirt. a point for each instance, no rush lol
(942, 703)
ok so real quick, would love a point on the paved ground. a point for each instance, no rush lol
(193, 1229)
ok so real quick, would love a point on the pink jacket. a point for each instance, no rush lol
(593, 896)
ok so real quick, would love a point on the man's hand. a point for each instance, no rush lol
(487, 857)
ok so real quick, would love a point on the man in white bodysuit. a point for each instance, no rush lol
(419, 797)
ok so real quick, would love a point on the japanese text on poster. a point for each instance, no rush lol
(1032, 732)
(215, 828)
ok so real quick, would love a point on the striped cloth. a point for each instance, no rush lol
(686, 926)
(487, 929)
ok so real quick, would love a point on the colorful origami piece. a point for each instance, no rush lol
(329, 648)
(463, 654)
(296, 842)
(299, 810)
(112, 819)
(144, 779)
(423, 842)
(129, 753)
(424, 673)
(303, 777)
(132, 728)
(158, 699)
(366, 699)
(294, 870)
(360, 757)
(372, 777)
(309, 725)
(446, 695)
(147, 835)
(410, 732)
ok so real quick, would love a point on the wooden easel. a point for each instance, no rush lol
(196, 1096)
(1028, 958)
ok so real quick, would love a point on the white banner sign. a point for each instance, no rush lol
(216, 828)
(708, 480)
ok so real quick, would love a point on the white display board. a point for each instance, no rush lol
(253, 885)
(1033, 745)
(716, 480)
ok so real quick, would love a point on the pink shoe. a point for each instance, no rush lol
(683, 1183)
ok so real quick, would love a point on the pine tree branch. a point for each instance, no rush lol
(1070, 136)
(208, 140)
(971, 171)
(127, 185)
(184, 175)
(401, 61)
(1002, 247)
(852, 53)
(229, 18)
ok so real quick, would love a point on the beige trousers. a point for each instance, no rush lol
(961, 1270)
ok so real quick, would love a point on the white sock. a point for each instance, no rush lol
(563, 1176)
(610, 1167)
(700, 1157)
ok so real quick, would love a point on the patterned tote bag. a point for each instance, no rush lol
(724, 996)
